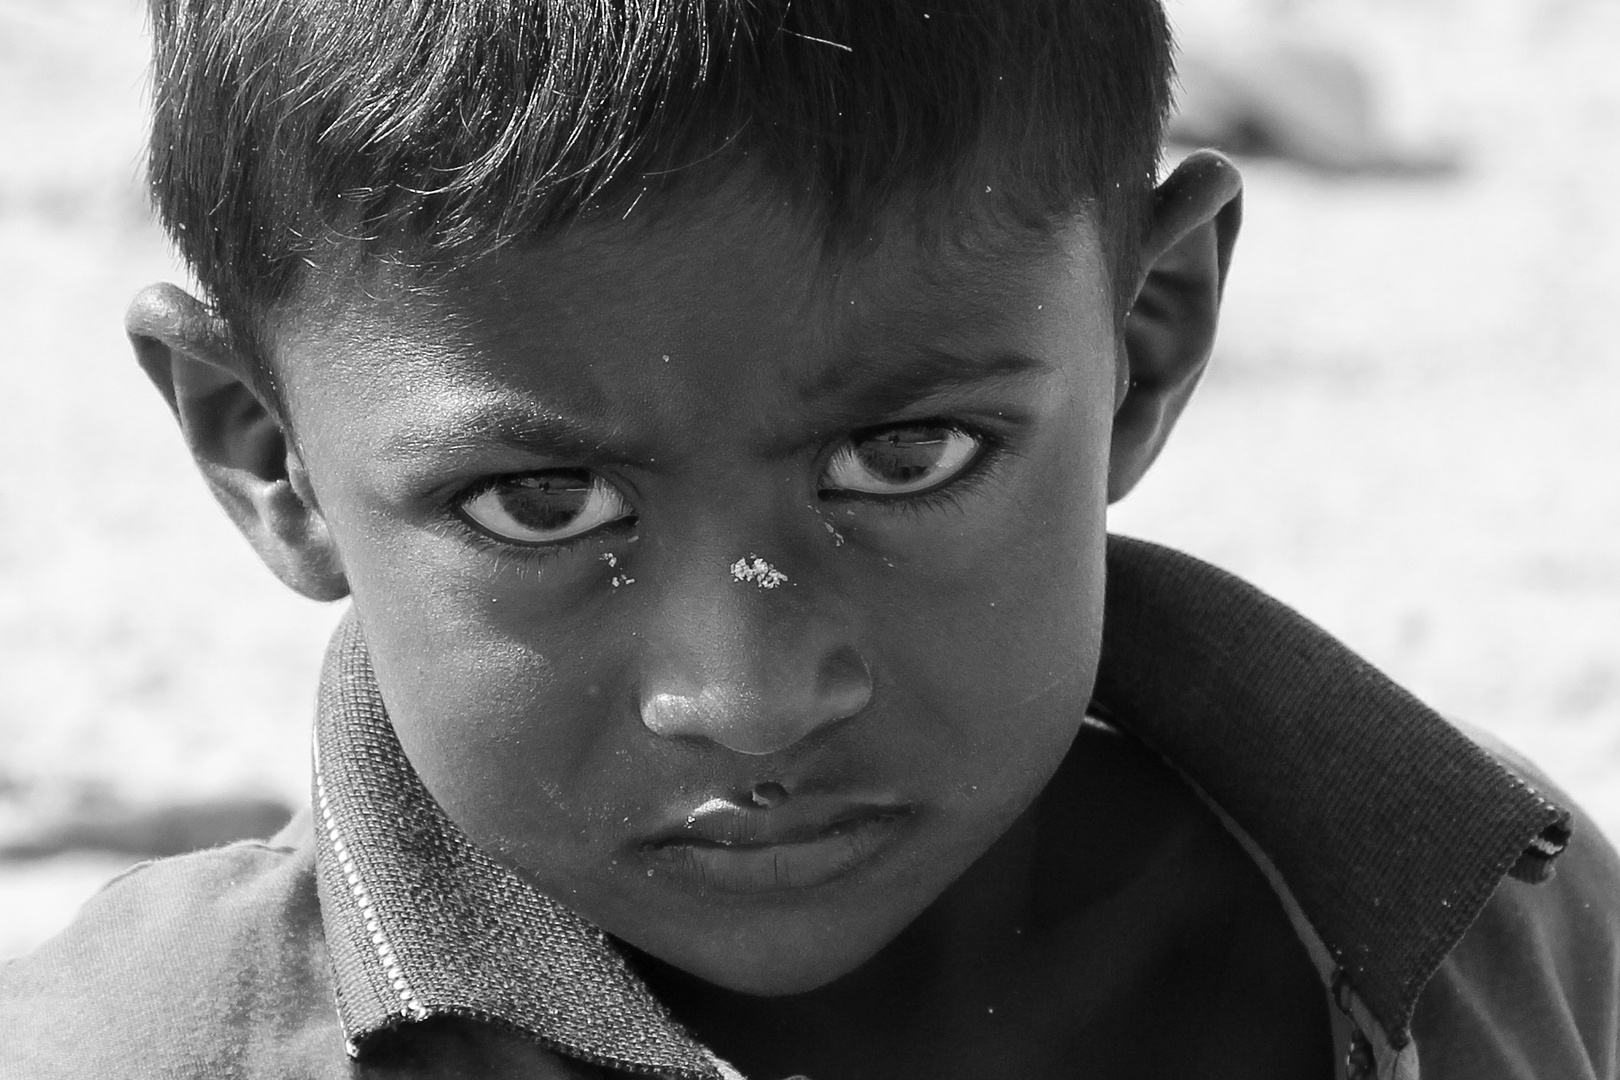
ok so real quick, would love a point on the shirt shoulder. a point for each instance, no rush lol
(215, 965)
(1533, 987)
(211, 963)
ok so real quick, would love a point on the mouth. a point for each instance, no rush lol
(723, 846)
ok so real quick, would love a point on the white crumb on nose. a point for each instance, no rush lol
(610, 558)
(838, 537)
(622, 579)
(758, 571)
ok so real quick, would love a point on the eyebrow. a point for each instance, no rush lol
(520, 424)
(880, 387)
(867, 390)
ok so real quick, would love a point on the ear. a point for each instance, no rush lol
(1170, 328)
(237, 439)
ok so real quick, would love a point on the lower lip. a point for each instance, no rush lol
(768, 868)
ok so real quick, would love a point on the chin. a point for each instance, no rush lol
(773, 958)
(781, 975)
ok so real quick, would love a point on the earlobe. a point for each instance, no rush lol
(237, 440)
(1170, 329)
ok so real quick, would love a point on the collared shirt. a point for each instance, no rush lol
(372, 937)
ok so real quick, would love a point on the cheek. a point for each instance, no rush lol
(1003, 653)
(1006, 651)
(509, 709)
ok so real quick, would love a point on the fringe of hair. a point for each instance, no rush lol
(444, 130)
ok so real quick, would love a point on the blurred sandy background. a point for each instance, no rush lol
(1409, 433)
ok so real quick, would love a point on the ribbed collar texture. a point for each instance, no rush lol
(1390, 827)
(421, 923)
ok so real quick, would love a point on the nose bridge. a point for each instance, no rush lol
(748, 652)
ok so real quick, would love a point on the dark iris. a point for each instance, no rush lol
(545, 503)
(903, 455)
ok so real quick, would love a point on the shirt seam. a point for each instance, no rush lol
(382, 948)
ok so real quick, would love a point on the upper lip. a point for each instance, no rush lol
(726, 822)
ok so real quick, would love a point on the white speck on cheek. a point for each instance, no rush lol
(760, 572)
(838, 537)
(622, 579)
(610, 558)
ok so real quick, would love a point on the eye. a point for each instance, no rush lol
(547, 507)
(905, 460)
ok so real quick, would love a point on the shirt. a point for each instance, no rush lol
(372, 938)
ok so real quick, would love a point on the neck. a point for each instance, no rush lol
(1001, 932)
(980, 916)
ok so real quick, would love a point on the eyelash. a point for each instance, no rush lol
(993, 449)
(517, 555)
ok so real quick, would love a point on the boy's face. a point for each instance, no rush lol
(917, 443)
(737, 600)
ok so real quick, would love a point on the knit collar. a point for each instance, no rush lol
(1390, 828)
(421, 923)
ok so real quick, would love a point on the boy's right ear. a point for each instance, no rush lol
(236, 438)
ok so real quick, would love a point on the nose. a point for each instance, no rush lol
(755, 671)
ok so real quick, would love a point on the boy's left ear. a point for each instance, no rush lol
(1170, 329)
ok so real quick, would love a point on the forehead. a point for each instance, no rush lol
(733, 293)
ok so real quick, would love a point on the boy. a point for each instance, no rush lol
(712, 410)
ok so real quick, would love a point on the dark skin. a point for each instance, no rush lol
(748, 603)
(1146, 945)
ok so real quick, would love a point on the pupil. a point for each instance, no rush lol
(546, 503)
(904, 456)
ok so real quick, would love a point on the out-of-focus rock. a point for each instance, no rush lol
(1310, 104)
(104, 825)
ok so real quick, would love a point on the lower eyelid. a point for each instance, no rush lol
(526, 556)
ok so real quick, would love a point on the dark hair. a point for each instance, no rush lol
(445, 129)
